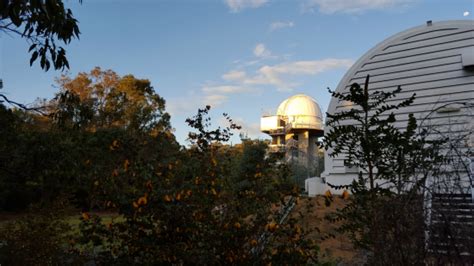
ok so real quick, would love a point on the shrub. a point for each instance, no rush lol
(41, 237)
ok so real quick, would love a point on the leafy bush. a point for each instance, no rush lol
(385, 215)
(211, 204)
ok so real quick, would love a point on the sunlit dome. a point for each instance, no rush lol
(299, 105)
(302, 112)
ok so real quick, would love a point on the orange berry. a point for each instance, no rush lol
(345, 195)
(298, 229)
(272, 226)
(114, 145)
(237, 225)
(142, 200)
(85, 216)
(167, 198)
(126, 164)
(328, 194)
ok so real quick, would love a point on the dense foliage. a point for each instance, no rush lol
(106, 145)
(101, 99)
(90, 133)
(211, 204)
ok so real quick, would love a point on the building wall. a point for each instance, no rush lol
(431, 61)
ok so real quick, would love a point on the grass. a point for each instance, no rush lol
(338, 247)
(71, 220)
(75, 220)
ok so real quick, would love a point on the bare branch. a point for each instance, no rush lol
(39, 109)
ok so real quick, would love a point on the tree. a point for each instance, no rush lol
(103, 99)
(43, 24)
(98, 123)
(385, 215)
(192, 208)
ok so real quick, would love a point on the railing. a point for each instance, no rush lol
(276, 148)
(277, 131)
(427, 204)
(296, 125)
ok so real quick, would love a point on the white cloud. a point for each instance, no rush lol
(465, 14)
(352, 6)
(238, 5)
(234, 75)
(261, 51)
(178, 106)
(309, 67)
(278, 75)
(219, 94)
(225, 89)
(281, 24)
(267, 76)
(214, 100)
(188, 104)
(274, 75)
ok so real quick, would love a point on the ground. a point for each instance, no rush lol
(337, 247)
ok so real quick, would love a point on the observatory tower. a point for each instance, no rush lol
(295, 129)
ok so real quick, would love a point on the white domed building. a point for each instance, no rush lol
(435, 61)
(295, 129)
(301, 112)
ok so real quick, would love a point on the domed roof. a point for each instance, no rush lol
(299, 105)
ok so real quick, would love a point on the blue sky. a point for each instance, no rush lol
(240, 56)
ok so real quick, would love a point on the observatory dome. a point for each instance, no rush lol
(299, 104)
(301, 110)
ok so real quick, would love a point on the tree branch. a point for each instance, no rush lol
(22, 106)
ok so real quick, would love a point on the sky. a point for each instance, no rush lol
(242, 57)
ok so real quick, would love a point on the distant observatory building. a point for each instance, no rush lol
(295, 129)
